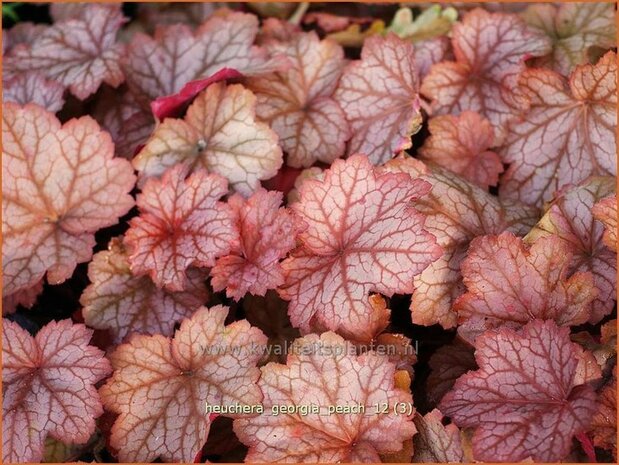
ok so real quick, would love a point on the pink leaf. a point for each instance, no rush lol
(268, 233)
(125, 304)
(34, 88)
(48, 388)
(606, 211)
(181, 224)
(566, 136)
(163, 64)
(160, 386)
(61, 184)
(457, 211)
(220, 133)
(431, 51)
(363, 236)
(573, 28)
(570, 218)
(490, 50)
(22, 33)
(173, 105)
(332, 23)
(299, 104)
(152, 15)
(462, 144)
(322, 371)
(448, 363)
(64, 11)
(435, 442)
(510, 284)
(79, 53)
(523, 400)
(379, 95)
(26, 298)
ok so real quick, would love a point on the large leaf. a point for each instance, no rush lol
(490, 50)
(219, 133)
(60, 184)
(567, 135)
(298, 103)
(570, 218)
(160, 386)
(182, 223)
(523, 400)
(123, 303)
(379, 95)
(34, 88)
(80, 53)
(323, 371)
(48, 388)
(362, 236)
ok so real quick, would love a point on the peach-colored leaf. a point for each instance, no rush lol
(220, 133)
(362, 236)
(48, 387)
(299, 104)
(325, 371)
(573, 28)
(490, 50)
(267, 234)
(80, 53)
(60, 184)
(160, 386)
(436, 442)
(26, 298)
(567, 135)
(523, 400)
(462, 144)
(510, 283)
(123, 303)
(606, 211)
(163, 64)
(570, 218)
(34, 88)
(182, 223)
(457, 211)
(380, 98)
(604, 423)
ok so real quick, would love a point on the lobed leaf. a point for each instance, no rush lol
(606, 211)
(34, 88)
(160, 386)
(181, 224)
(436, 442)
(219, 133)
(362, 236)
(61, 184)
(379, 96)
(447, 364)
(48, 387)
(523, 400)
(26, 298)
(324, 371)
(604, 422)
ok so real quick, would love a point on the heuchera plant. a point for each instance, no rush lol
(309, 233)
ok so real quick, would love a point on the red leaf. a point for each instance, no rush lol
(299, 104)
(435, 442)
(34, 88)
(125, 304)
(490, 50)
(181, 224)
(324, 371)
(48, 388)
(160, 386)
(457, 211)
(606, 211)
(61, 184)
(268, 233)
(363, 236)
(511, 284)
(523, 400)
(172, 106)
(220, 133)
(80, 53)
(566, 136)
(163, 64)
(379, 95)
(570, 218)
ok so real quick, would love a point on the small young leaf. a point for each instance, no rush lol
(48, 387)
(160, 386)
(322, 371)
(523, 400)
(435, 442)
(448, 363)
(181, 224)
